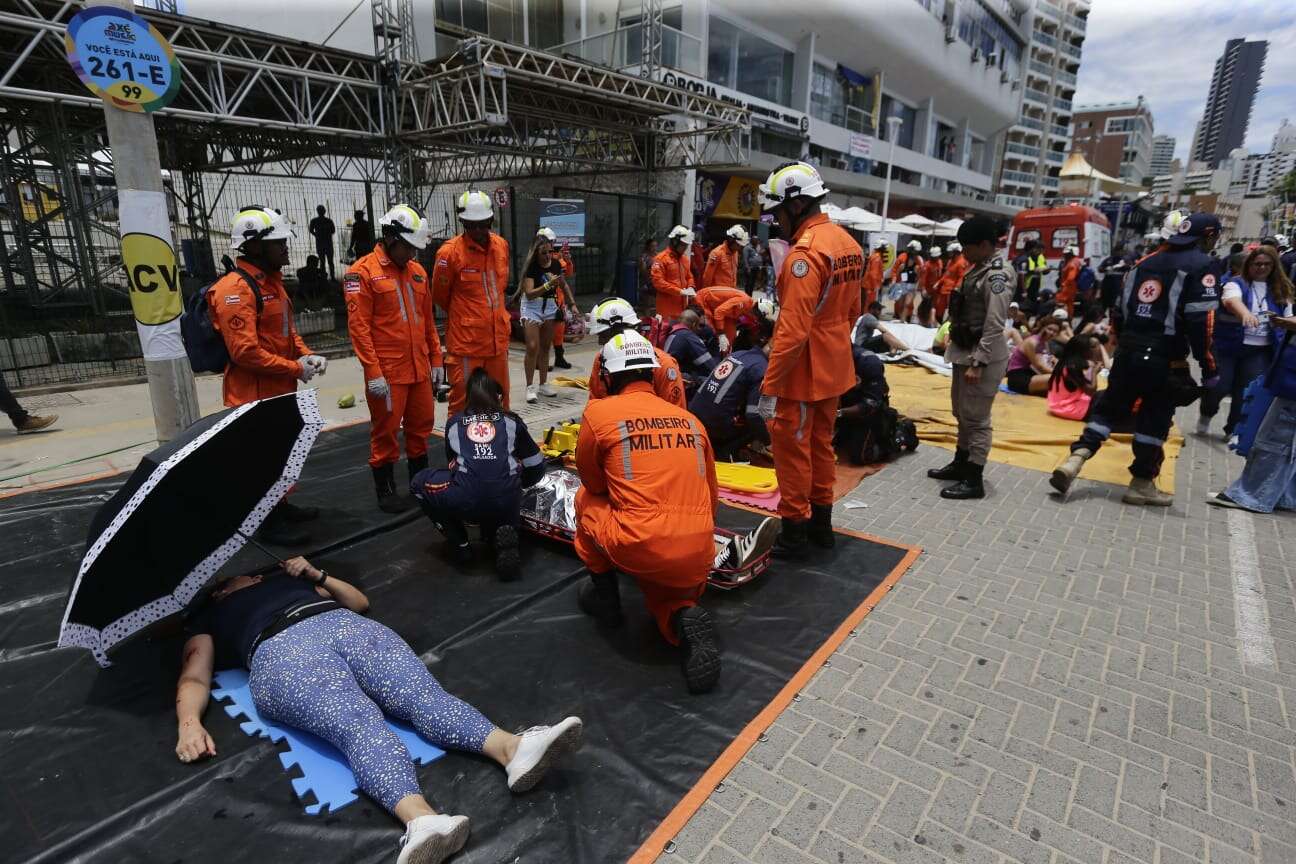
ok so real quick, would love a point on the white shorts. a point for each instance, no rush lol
(538, 309)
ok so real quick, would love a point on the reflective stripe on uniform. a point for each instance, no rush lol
(697, 447)
(461, 446)
(802, 423)
(510, 435)
(734, 375)
(625, 450)
(1176, 291)
(1127, 288)
(1103, 432)
(1140, 438)
(1207, 306)
(400, 300)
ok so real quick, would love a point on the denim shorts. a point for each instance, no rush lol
(538, 309)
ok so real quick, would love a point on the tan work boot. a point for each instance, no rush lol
(1065, 474)
(1145, 492)
(35, 422)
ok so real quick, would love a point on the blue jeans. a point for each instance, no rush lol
(1268, 481)
(1236, 371)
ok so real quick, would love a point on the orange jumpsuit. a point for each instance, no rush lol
(810, 361)
(951, 279)
(393, 331)
(668, 383)
(721, 267)
(469, 282)
(647, 500)
(1066, 294)
(873, 275)
(569, 270)
(671, 274)
(722, 306)
(263, 348)
(929, 275)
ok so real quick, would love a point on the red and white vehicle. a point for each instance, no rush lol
(1058, 227)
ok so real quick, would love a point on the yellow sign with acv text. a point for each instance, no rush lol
(154, 278)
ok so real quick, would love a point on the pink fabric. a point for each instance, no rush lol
(769, 501)
(1068, 404)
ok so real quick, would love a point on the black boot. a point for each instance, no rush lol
(701, 659)
(385, 485)
(292, 513)
(457, 546)
(820, 530)
(508, 564)
(278, 531)
(600, 598)
(415, 464)
(968, 487)
(560, 361)
(952, 471)
(792, 542)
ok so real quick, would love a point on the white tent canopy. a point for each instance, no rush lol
(917, 220)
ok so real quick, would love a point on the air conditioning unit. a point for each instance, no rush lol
(949, 34)
(976, 55)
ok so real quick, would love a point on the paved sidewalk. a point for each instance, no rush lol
(1050, 683)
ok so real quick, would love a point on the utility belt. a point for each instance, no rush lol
(294, 614)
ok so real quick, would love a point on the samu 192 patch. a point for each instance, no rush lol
(800, 268)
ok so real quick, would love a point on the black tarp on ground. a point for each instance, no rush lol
(87, 764)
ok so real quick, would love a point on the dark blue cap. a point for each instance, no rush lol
(1193, 228)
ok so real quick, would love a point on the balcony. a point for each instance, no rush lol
(1041, 38)
(1048, 10)
(1037, 96)
(1013, 201)
(1065, 78)
(1022, 149)
(1063, 131)
(1077, 24)
(1055, 157)
(1030, 123)
(1063, 104)
(1049, 182)
(1019, 177)
(1043, 70)
(1071, 50)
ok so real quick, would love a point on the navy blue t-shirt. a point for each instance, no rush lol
(732, 389)
(689, 351)
(236, 620)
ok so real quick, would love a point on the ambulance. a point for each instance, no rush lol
(1056, 228)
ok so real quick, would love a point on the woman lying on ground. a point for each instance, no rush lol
(1072, 384)
(317, 664)
(1030, 365)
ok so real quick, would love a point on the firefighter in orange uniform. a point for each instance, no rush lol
(469, 281)
(874, 273)
(393, 331)
(951, 279)
(611, 317)
(569, 270)
(723, 307)
(932, 270)
(810, 360)
(1067, 276)
(267, 357)
(672, 274)
(722, 263)
(646, 507)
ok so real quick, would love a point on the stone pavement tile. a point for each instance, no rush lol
(750, 826)
(776, 851)
(853, 815)
(802, 820)
(832, 849)
(708, 822)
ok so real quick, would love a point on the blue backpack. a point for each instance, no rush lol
(203, 342)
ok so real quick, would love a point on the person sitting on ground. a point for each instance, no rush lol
(318, 664)
(491, 456)
(1072, 384)
(687, 347)
(871, 334)
(614, 316)
(1015, 327)
(1030, 366)
(861, 412)
(646, 508)
(726, 402)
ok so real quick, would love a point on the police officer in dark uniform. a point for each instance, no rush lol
(727, 401)
(979, 353)
(1160, 319)
(491, 456)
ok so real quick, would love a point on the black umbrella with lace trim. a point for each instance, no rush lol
(188, 507)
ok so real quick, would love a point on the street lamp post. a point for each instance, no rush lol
(893, 131)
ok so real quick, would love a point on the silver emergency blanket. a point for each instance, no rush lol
(552, 501)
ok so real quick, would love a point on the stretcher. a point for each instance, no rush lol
(549, 510)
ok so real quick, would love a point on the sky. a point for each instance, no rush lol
(1166, 51)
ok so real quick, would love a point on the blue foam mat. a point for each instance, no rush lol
(324, 770)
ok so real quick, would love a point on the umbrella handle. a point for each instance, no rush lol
(263, 549)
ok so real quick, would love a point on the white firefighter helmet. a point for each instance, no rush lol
(936, 252)
(738, 235)
(682, 234)
(954, 247)
(405, 222)
(611, 313)
(1170, 224)
(767, 309)
(915, 245)
(628, 351)
(258, 223)
(474, 207)
(547, 233)
(793, 180)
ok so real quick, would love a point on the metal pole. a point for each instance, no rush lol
(138, 169)
(893, 131)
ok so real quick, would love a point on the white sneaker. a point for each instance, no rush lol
(746, 548)
(540, 747)
(1203, 425)
(433, 839)
(531, 393)
(547, 390)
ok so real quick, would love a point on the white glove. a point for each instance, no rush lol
(318, 363)
(724, 344)
(688, 292)
(307, 371)
(378, 387)
(765, 407)
(438, 375)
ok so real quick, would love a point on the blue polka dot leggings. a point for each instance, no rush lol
(334, 675)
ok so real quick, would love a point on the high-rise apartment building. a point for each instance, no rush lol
(1116, 138)
(1223, 126)
(1037, 144)
(1163, 147)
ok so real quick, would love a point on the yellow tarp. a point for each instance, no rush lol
(1025, 434)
